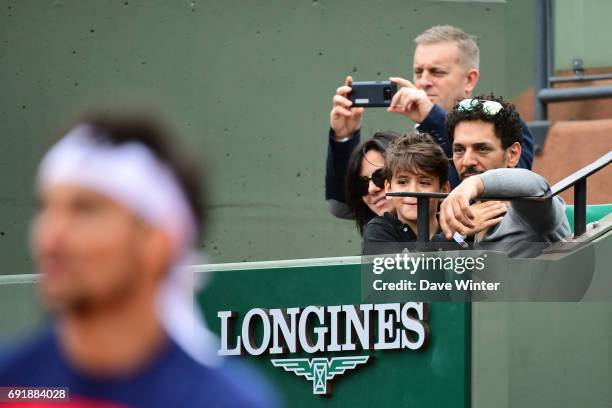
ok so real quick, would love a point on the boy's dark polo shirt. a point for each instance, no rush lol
(383, 231)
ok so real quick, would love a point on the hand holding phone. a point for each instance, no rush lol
(410, 101)
(344, 119)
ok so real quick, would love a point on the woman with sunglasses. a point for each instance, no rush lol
(365, 181)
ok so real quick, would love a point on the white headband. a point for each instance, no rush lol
(128, 173)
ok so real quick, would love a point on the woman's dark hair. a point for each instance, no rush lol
(379, 142)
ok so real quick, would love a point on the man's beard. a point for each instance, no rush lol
(470, 171)
(83, 303)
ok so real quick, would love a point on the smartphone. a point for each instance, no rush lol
(372, 94)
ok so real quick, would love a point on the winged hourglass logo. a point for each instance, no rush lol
(320, 370)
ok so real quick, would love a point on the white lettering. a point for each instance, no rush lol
(376, 284)
(304, 330)
(388, 335)
(334, 323)
(416, 325)
(226, 317)
(355, 325)
(424, 284)
(318, 329)
(248, 332)
(377, 267)
(279, 321)
(476, 286)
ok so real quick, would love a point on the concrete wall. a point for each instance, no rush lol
(582, 30)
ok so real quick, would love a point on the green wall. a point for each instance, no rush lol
(541, 355)
(582, 30)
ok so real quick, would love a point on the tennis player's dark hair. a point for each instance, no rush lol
(119, 128)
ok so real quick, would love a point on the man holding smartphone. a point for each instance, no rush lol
(445, 70)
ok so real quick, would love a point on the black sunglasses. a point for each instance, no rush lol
(363, 183)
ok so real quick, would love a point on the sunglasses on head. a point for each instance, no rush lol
(489, 108)
(363, 183)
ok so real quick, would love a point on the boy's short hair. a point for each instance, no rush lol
(417, 153)
(506, 121)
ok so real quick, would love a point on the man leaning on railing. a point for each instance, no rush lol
(486, 137)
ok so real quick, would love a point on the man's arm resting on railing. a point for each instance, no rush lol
(456, 215)
(541, 215)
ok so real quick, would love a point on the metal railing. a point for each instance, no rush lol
(578, 180)
(580, 78)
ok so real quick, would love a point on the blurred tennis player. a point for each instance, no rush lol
(119, 211)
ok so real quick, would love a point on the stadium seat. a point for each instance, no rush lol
(594, 213)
